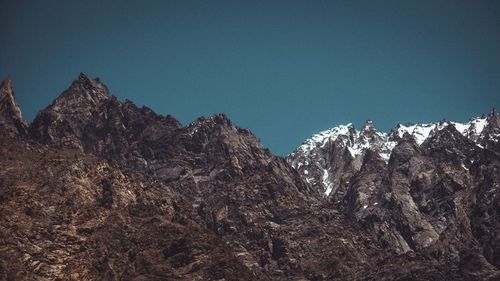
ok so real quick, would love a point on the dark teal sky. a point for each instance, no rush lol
(284, 69)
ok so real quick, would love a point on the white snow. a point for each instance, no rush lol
(328, 190)
(480, 124)
(476, 127)
(462, 128)
(327, 183)
(321, 139)
(355, 151)
(420, 131)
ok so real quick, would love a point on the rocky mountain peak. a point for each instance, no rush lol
(87, 117)
(86, 84)
(67, 118)
(490, 135)
(11, 118)
(6, 84)
(450, 145)
(7, 102)
(371, 138)
(214, 120)
(368, 128)
(82, 97)
(493, 112)
(494, 118)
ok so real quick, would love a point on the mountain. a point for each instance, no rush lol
(427, 188)
(103, 190)
(99, 189)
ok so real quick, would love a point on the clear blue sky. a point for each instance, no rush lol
(284, 69)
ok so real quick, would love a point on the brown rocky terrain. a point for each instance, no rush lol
(99, 189)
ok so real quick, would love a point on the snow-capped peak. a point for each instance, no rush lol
(421, 132)
(317, 157)
(355, 141)
(312, 158)
(321, 139)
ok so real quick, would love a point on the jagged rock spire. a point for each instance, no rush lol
(7, 104)
(11, 118)
(368, 124)
(368, 129)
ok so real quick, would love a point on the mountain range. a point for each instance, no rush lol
(99, 189)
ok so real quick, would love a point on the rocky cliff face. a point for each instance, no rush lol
(99, 189)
